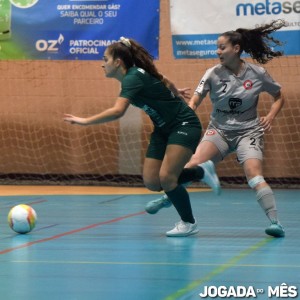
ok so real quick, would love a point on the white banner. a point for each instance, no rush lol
(196, 24)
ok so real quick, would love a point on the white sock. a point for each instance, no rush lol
(266, 200)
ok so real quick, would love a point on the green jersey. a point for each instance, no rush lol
(152, 96)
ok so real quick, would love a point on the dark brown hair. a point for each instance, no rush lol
(257, 42)
(134, 55)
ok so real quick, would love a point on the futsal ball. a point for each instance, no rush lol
(22, 218)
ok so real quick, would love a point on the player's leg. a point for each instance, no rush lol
(162, 167)
(250, 155)
(152, 164)
(153, 161)
(212, 147)
(151, 170)
(206, 153)
(202, 169)
(175, 159)
(264, 195)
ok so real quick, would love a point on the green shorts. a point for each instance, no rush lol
(185, 135)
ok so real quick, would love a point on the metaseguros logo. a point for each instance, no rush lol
(268, 8)
(49, 45)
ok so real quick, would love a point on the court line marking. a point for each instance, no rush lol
(149, 263)
(18, 190)
(32, 202)
(54, 237)
(220, 269)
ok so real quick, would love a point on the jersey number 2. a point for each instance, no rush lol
(224, 87)
(253, 141)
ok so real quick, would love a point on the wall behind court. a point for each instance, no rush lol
(35, 140)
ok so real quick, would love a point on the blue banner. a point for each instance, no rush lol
(75, 29)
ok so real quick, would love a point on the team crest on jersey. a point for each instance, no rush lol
(248, 84)
(210, 132)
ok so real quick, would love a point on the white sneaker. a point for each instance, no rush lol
(154, 206)
(183, 229)
(211, 177)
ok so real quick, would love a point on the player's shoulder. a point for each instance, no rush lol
(134, 74)
(214, 71)
(135, 71)
(258, 69)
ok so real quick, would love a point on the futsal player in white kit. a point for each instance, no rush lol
(234, 87)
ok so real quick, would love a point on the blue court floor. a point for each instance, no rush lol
(105, 247)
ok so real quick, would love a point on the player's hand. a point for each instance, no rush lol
(185, 93)
(74, 120)
(265, 122)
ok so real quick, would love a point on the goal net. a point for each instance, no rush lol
(37, 147)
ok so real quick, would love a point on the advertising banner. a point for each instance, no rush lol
(74, 29)
(196, 24)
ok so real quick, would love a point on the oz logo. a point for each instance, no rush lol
(49, 45)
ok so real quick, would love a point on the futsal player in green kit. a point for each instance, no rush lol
(234, 87)
(177, 129)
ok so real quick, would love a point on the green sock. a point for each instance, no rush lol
(181, 201)
(191, 174)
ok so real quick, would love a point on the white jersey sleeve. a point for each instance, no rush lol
(269, 84)
(204, 85)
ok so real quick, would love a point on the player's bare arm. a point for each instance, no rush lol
(108, 115)
(183, 93)
(276, 107)
(195, 101)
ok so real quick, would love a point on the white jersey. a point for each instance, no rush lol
(235, 98)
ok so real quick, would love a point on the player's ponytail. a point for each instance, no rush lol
(133, 54)
(258, 42)
(144, 60)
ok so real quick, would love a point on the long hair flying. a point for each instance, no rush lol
(258, 42)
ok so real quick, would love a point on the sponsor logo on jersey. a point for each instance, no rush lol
(141, 70)
(182, 132)
(224, 80)
(248, 84)
(234, 103)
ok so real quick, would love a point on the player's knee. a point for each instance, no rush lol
(255, 181)
(168, 182)
(153, 187)
(152, 184)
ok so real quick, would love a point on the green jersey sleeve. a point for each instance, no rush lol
(131, 86)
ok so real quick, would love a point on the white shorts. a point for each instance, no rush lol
(247, 143)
